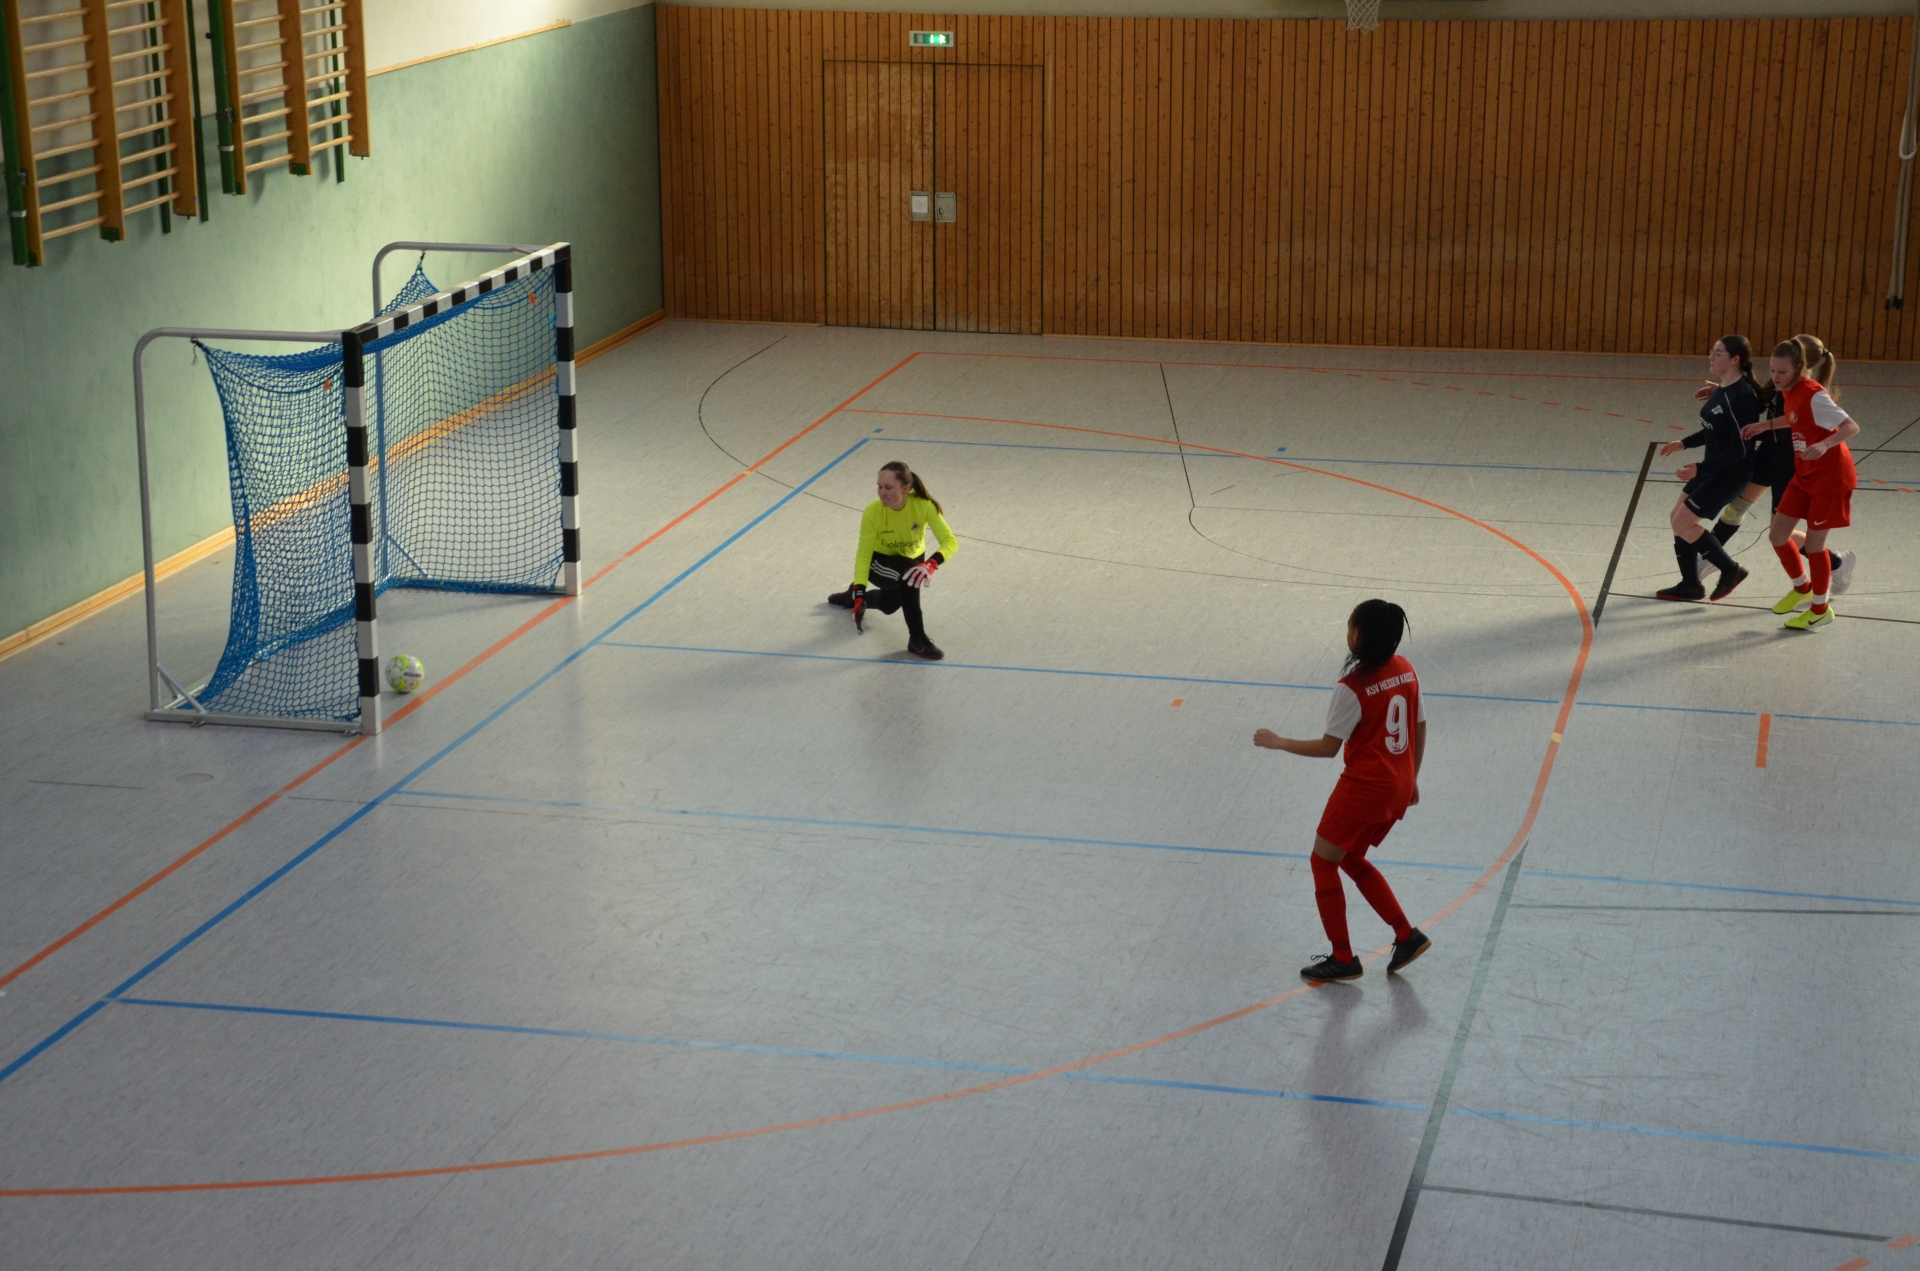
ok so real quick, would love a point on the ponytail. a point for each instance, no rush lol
(911, 479)
(1819, 361)
(1381, 623)
(1740, 347)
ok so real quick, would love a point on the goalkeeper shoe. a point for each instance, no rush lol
(1327, 967)
(842, 599)
(1791, 601)
(1809, 620)
(1843, 576)
(925, 649)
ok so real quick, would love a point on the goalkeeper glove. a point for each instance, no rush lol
(922, 574)
(859, 594)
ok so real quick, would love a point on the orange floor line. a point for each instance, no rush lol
(1760, 752)
(440, 686)
(1492, 871)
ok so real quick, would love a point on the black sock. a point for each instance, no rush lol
(1723, 532)
(1833, 558)
(910, 605)
(1709, 546)
(1688, 556)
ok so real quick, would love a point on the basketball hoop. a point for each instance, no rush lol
(1363, 15)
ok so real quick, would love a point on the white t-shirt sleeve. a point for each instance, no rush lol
(1423, 708)
(1826, 412)
(1343, 713)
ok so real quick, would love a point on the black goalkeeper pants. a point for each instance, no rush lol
(888, 591)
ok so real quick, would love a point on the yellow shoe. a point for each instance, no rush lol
(1791, 601)
(1809, 620)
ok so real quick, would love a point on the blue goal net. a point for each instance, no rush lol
(464, 481)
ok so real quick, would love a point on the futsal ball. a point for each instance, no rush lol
(405, 674)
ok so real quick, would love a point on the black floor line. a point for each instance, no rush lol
(1626, 525)
(1838, 612)
(1661, 1213)
(1729, 909)
(1437, 1112)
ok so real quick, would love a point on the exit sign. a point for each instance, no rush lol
(930, 39)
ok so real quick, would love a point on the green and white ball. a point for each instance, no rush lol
(405, 674)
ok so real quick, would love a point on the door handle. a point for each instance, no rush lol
(920, 205)
(946, 206)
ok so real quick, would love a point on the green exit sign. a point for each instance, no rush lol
(930, 39)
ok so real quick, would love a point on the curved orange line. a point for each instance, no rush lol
(1478, 885)
(440, 685)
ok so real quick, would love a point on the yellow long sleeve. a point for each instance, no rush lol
(902, 533)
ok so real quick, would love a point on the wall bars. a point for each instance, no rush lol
(96, 117)
(99, 117)
(290, 82)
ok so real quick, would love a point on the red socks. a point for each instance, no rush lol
(1822, 580)
(1332, 899)
(1795, 566)
(1373, 885)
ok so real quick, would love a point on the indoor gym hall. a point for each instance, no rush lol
(681, 923)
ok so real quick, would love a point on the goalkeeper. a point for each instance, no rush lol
(892, 566)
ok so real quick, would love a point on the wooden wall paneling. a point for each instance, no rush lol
(1892, 41)
(1859, 179)
(1839, 290)
(987, 150)
(879, 139)
(1622, 185)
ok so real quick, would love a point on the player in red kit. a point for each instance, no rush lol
(1378, 716)
(1821, 492)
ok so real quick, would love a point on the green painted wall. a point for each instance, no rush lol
(546, 138)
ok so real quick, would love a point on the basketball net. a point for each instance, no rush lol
(1363, 15)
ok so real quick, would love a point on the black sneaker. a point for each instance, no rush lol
(1686, 589)
(1327, 967)
(1405, 951)
(925, 649)
(841, 599)
(1729, 579)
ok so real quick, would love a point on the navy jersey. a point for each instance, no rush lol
(1730, 408)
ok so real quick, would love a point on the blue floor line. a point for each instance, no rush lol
(1200, 1087)
(1015, 836)
(1696, 1136)
(1174, 451)
(830, 823)
(1198, 679)
(387, 794)
(1745, 891)
(577, 1034)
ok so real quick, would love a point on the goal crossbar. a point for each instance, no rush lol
(172, 701)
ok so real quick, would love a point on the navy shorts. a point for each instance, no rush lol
(1708, 492)
(1773, 463)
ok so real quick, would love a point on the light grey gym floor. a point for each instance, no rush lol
(689, 928)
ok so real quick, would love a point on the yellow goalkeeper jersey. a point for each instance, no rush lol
(902, 533)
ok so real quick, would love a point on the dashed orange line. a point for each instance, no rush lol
(1903, 1241)
(1760, 754)
(1549, 403)
(1511, 397)
(1179, 700)
(1614, 414)
(1855, 1265)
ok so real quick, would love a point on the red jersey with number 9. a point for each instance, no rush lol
(1813, 416)
(1380, 742)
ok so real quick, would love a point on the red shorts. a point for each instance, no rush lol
(1820, 510)
(1354, 820)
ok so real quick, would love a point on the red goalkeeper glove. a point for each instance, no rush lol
(922, 574)
(859, 594)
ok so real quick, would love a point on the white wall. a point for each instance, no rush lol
(407, 30)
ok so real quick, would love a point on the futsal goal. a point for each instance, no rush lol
(434, 446)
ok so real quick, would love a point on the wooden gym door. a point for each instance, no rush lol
(968, 140)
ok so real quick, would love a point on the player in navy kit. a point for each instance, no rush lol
(1721, 476)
